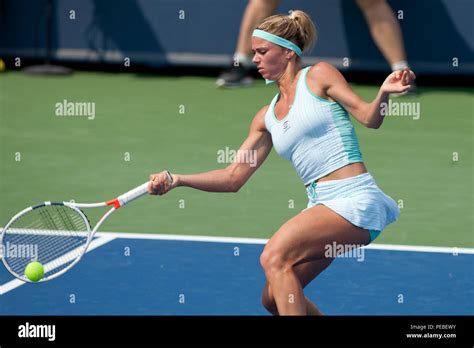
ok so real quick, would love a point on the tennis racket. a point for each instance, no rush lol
(56, 234)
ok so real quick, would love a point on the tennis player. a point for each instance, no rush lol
(308, 124)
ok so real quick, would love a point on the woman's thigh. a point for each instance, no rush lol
(309, 235)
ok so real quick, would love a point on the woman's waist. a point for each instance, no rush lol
(343, 187)
(349, 171)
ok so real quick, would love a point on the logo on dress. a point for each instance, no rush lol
(286, 126)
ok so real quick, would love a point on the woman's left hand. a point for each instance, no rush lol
(398, 81)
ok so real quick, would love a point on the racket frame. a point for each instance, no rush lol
(27, 210)
(116, 203)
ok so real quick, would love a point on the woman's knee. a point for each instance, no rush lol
(274, 259)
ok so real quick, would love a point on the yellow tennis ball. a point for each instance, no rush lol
(34, 271)
(2, 65)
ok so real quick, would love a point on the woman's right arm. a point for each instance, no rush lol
(249, 158)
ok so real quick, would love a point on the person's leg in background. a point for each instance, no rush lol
(237, 74)
(386, 32)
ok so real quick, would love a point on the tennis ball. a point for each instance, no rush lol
(2, 65)
(34, 271)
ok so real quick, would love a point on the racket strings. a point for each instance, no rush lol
(46, 248)
(53, 235)
(47, 219)
(66, 219)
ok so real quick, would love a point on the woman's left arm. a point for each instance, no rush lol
(369, 114)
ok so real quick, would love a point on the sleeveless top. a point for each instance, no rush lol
(316, 135)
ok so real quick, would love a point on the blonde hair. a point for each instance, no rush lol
(296, 27)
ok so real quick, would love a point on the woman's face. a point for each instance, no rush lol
(271, 60)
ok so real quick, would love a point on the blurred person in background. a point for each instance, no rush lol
(383, 25)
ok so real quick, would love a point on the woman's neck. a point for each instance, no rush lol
(287, 79)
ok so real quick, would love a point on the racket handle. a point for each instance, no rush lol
(133, 194)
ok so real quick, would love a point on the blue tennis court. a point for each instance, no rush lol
(148, 275)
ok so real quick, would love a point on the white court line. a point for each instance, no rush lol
(421, 248)
(49, 233)
(15, 283)
(215, 239)
(212, 239)
(187, 238)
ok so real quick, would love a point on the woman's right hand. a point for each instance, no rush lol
(162, 182)
(398, 81)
